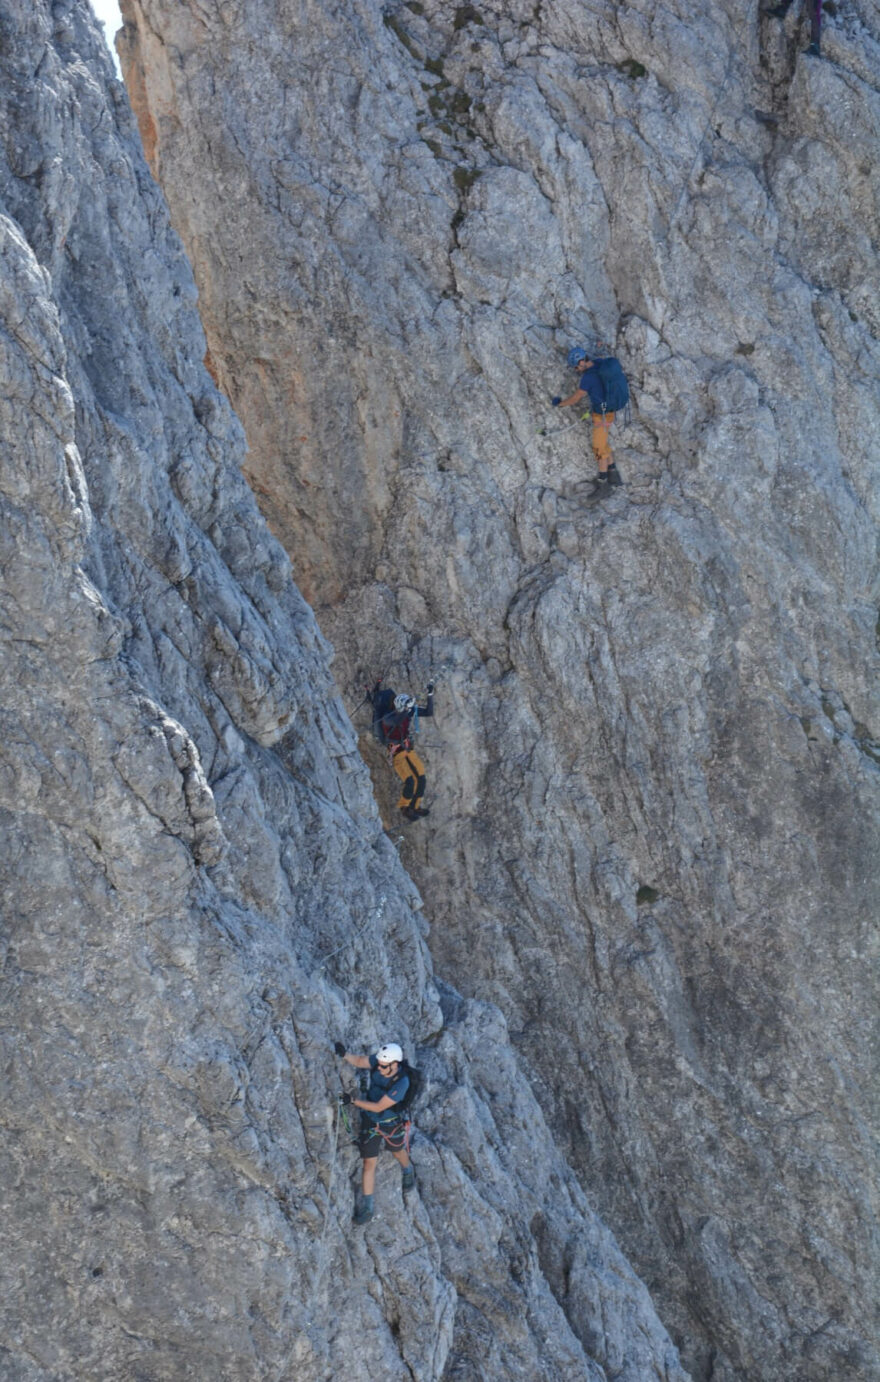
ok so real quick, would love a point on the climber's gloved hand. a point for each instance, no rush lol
(556, 400)
(339, 1048)
(345, 1098)
(430, 688)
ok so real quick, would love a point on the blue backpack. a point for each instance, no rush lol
(614, 386)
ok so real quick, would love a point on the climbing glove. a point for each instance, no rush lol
(556, 400)
(430, 688)
(339, 1048)
(345, 1098)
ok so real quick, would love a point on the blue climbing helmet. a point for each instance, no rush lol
(575, 356)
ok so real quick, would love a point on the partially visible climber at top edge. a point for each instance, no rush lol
(602, 381)
(395, 723)
(815, 11)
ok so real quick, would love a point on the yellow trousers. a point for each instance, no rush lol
(411, 771)
(601, 445)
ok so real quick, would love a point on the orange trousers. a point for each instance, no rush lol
(601, 445)
(411, 771)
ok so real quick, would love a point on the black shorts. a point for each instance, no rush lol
(371, 1142)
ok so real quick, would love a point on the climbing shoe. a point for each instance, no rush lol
(412, 813)
(813, 51)
(614, 475)
(363, 1214)
(408, 1179)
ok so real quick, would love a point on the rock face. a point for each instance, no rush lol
(654, 768)
(198, 894)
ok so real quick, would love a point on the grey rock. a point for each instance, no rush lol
(653, 835)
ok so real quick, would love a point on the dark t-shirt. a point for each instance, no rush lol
(591, 383)
(392, 1086)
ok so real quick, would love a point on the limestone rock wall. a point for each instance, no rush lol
(198, 896)
(654, 767)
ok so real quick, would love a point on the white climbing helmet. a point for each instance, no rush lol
(404, 702)
(389, 1053)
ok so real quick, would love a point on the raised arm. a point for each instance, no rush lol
(359, 1062)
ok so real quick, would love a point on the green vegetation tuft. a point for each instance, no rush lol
(464, 15)
(464, 178)
(646, 896)
(868, 746)
(393, 23)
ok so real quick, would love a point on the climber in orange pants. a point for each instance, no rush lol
(602, 380)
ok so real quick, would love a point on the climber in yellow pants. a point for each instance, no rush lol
(395, 722)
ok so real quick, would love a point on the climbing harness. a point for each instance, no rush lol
(398, 1138)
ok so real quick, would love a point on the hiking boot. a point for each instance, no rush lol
(408, 1179)
(363, 1214)
(598, 491)
(614, 475)
(412, 813)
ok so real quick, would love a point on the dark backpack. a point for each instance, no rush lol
(414, 1089)
(615, 389)
(383, 705)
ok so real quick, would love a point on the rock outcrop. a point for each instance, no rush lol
(198, 896)
(655, 762)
